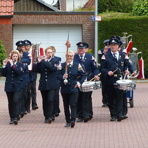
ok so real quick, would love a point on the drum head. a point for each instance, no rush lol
(124, 81)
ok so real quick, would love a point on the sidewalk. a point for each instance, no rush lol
(32, 132)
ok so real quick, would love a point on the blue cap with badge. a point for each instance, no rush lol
(20, 43)
(106, 42)
(27, 42)
(82, 45)
(114, 41)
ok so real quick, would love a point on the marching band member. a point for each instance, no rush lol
(31, 89)
(130, 68)
(25, 59)
(56, 109)
(13, 71)
(104, 93)
(69, 89)
(48, 83)
(113, 65)
(89, 65)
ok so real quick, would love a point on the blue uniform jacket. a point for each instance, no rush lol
(14, 77)
(48, 74)
(26, 61)
(74, 75)
(108, 63)
(88, 64)
(57, 62)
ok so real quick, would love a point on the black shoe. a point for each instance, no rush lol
(125, 116)
(18, 118)
(46, 120)
(113, 119)
(53, 118)
(35, 107)
(25, 112)
(11, 121)
(22, 115)
(86, 119)
(120, 118)
(67, 125)
(104, 105)
(56, 114)
(50, 120)
(90, 117)
(15, 121)
(72, 124)
(80, 120)
(28, 111)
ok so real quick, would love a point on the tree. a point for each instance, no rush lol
(116, 5)
(140, 8)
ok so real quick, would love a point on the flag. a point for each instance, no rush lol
(129, 47)
(141, 69)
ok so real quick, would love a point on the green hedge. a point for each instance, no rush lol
(137, 26)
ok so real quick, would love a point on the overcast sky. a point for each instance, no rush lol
(70, 3)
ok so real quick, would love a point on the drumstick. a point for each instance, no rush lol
(115, 70)
(132, 74)
(94, 77)
(124, 76)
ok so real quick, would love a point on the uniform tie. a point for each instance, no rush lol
(81, 58)
(69, 65)
(115, 57)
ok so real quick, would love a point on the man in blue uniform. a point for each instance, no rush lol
(31, 90)
(113, 65)
(89, 65)
(101, 53)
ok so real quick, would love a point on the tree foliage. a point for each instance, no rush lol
(140, 7)
(116, 5)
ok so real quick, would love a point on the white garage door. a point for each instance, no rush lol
(49, 35)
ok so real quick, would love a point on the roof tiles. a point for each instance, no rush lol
(89, 4)
(6, 7)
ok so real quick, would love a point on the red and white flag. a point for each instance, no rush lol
(141, 68)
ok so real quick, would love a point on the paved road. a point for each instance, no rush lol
(32, 132)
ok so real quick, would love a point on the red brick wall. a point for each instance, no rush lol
(63, 5)
(6, 35)
(85, 20)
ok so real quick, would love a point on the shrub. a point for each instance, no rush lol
(2, 53)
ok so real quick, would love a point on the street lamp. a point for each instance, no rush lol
(96, 30)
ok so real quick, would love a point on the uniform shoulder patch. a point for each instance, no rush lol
(99, 52)
(103, 57)
(124, 50)
(93, 58)
(80, 67)
(126, 57)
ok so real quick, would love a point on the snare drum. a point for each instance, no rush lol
(125, 84)
(87, 86)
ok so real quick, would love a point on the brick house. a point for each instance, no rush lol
(43, 24)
